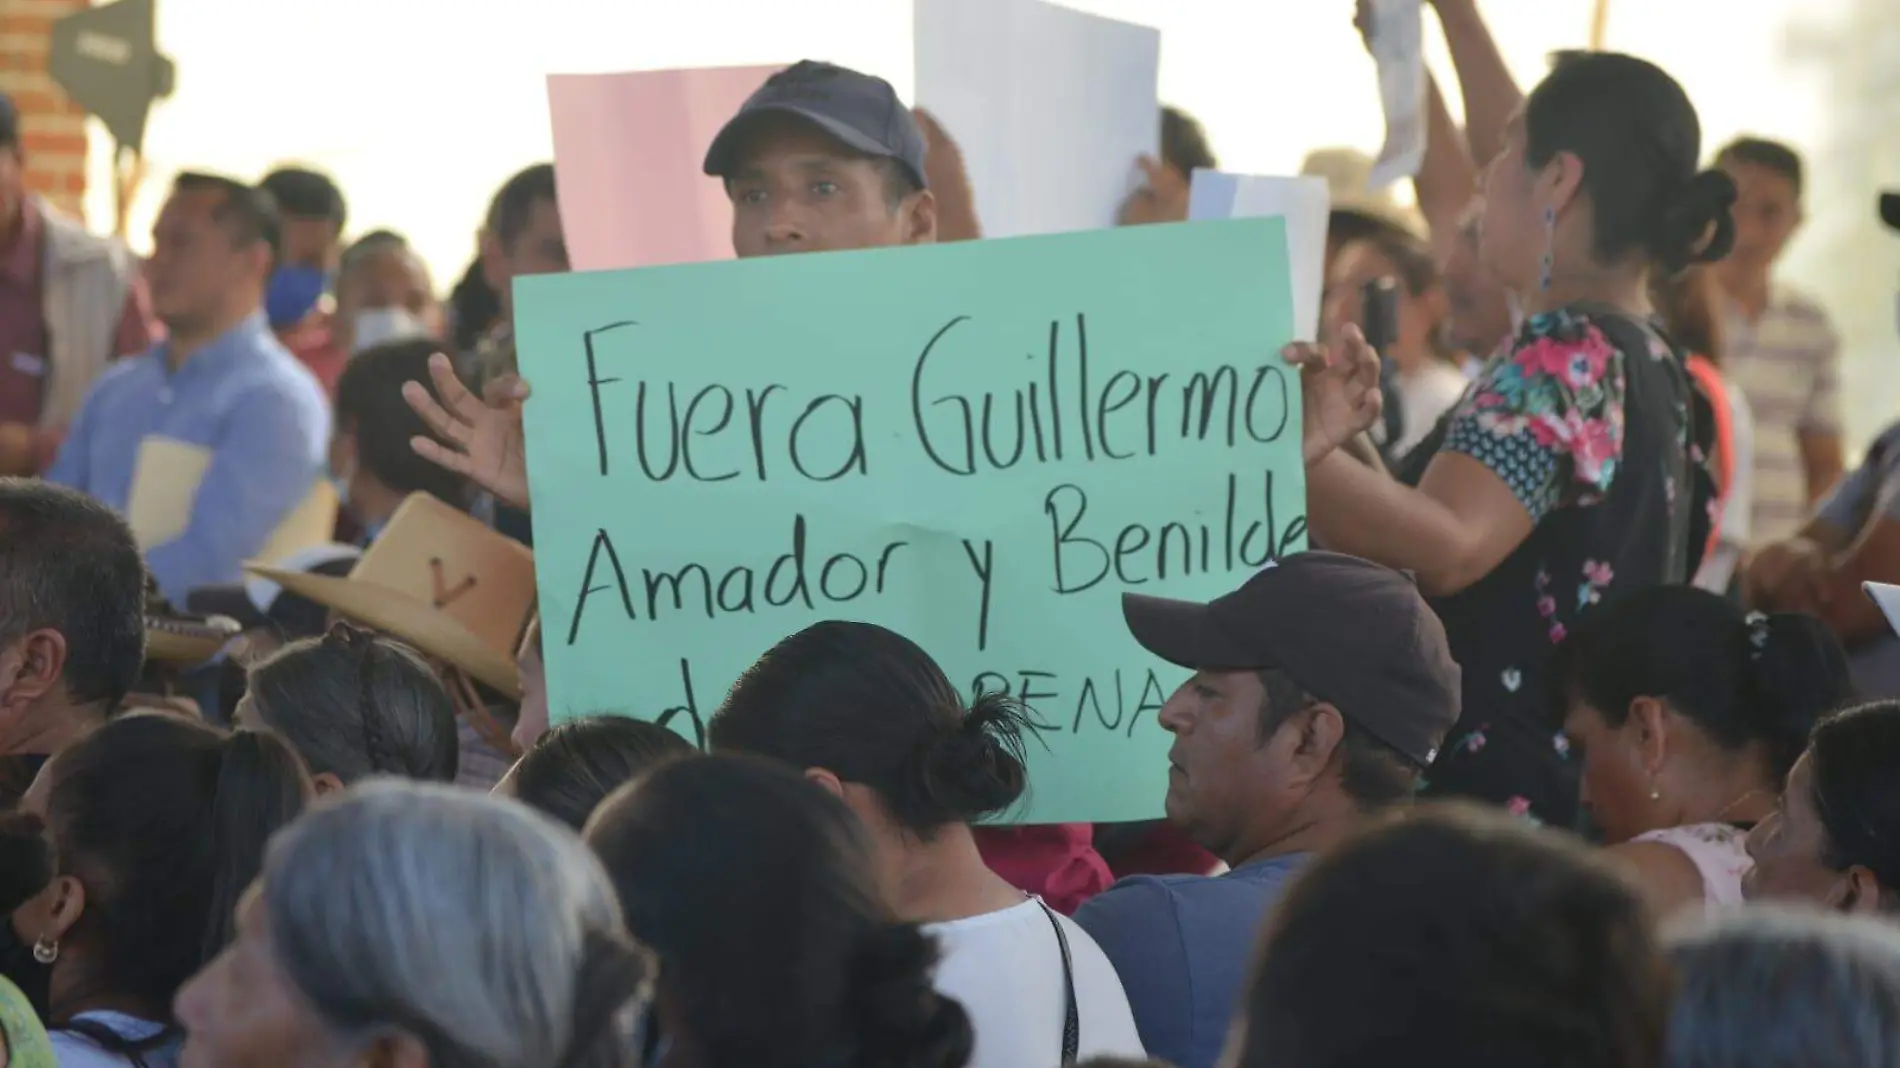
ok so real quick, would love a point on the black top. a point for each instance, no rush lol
(1586, 415)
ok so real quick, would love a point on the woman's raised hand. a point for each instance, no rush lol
(1339, 384)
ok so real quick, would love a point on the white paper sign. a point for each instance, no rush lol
(1887, 597)
(1397, 38)
(1050, 106)
(1302, 202)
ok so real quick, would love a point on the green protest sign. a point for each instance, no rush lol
(979, 445)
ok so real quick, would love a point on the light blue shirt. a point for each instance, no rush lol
(1183, 946)
(247, 399)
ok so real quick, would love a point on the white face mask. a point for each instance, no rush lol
(376, 325)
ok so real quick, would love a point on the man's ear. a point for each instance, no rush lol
(31, 667)
(826, 781)
(1320, 730)
(326, 783)
(920, 224)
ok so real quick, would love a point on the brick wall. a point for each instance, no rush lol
(53, 128)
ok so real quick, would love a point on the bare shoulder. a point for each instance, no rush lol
(1668, 878)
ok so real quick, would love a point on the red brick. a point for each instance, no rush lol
(40, 141)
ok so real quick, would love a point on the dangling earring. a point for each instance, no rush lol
(46, 950)
(1550, 246)
(1655, 792)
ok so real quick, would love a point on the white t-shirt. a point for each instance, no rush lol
(1006, 969)
(1424, 395)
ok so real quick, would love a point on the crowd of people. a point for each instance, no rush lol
(1569, 742)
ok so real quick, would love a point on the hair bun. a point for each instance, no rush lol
(1800, 674)
(900, 1016)
(1696, 226)
(974, 767)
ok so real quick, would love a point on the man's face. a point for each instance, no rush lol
(197, 264)
(1221, 773)
(1766, 212)
(797, 189)
(539, 248)
(310, 243)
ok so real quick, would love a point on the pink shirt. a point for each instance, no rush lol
(1719, 853)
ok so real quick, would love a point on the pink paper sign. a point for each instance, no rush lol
(627, 155)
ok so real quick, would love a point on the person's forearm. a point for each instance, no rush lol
(1446, 179)
(1822, 461)
(1490, 94)
(1353, 509)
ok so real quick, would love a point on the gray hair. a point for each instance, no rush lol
(471, 923)
(1773, 988)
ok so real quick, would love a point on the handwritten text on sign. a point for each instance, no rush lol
(980, 446)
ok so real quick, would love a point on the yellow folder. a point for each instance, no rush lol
(165, 481)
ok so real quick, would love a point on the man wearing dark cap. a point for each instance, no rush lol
(70, 303)
(823, 158)
(1322, 689)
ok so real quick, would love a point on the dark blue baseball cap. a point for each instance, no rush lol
(861, 110)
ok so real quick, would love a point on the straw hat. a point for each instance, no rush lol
(439, 580)
(1348, 175)
(178, 639)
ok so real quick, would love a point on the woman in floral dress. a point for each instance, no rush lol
(1568, 474)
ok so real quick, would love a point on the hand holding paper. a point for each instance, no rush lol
(1163, 198)
(1395, 33)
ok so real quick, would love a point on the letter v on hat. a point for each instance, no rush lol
(439, 580)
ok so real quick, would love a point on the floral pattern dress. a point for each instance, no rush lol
(1585, 415)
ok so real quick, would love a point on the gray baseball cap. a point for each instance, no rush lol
(861, 110)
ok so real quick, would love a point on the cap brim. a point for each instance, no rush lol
(1890, 209)
(231, 600)
(405, 619)
(721, 156)
(1185, 634)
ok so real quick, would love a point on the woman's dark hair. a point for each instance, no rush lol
(872, 707)
(354, 704)
(473, 307)
(26, 861)
(1743, 679)
(164, 820)
(370, 407)
(1687, 304)
(755, 889)
(1184, 143)
(1640, 141)
(1464, 932)
(572, 768)
(1851, 760)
